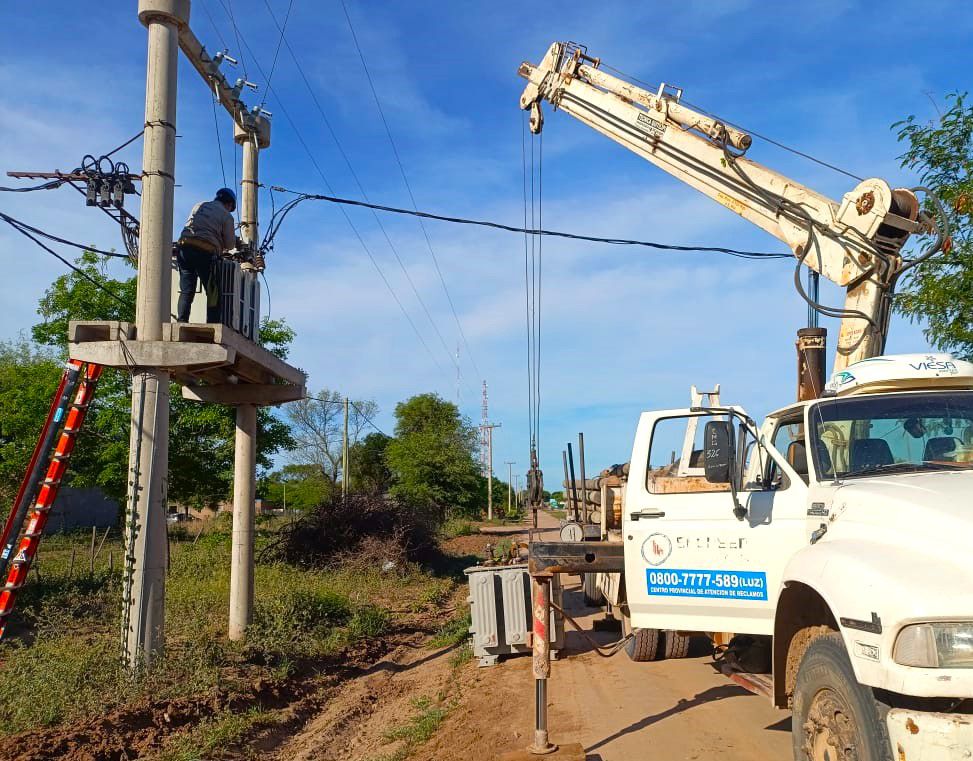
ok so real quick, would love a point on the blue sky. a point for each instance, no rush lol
(624, 330)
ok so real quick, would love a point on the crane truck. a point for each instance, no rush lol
(832, 540)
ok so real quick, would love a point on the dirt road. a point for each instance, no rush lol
(618, 710)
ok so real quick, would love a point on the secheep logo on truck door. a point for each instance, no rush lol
(656, 549)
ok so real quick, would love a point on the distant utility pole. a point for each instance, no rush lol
(488, 429)
(510, 478)
(344, 456)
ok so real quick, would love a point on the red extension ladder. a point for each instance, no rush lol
(38, 490)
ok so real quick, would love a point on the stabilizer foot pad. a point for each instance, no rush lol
(565, 752)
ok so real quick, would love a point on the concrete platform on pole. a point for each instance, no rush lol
(212, 362)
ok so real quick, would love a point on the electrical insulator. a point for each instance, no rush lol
(91, 196)
(118, 194)
(104, 192)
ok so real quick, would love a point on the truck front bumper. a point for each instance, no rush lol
(927, 736)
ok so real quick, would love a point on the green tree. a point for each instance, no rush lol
(296, 487)
(432, 456)
(369, 468)
(201, 435)
(940, 291)
(28, 379)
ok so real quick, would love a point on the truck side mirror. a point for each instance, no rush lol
(718, 451)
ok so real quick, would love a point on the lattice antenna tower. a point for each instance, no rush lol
(484, 433)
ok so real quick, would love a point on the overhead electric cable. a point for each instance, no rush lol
(361, 189)
(408, 186)
(128, 142)
(228, 7)
(273, 66)
(219, 143)
(85, 275)
(357, 408)
(549, 233)
(212, 23)
(348, 219)
(16, 223)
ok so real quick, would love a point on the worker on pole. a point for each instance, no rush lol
(209, 233)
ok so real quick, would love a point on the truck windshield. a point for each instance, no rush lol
(898, 433)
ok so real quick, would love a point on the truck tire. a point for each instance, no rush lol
(592, 595)
(675, 644)
(645, 645)
(835, 717)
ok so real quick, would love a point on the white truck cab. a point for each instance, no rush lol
(839, 537)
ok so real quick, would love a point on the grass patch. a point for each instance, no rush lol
(453, 632)
(214, 733)
(458, 527)
(462, 656)
(60, 660)
(422, 725)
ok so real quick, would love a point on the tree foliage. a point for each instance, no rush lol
(940, 291)
(432, 456)
(201, 435)
(369, 469)
(28, 379)
(318, 427)
(297, 487)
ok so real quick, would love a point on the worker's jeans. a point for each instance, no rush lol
(195, 264)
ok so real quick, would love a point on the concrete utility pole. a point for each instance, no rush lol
(344, 456)
(510, 477)
(253, 139)
(143, 620)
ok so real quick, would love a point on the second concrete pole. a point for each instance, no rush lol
(254, 138)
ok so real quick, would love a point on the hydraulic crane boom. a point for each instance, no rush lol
(856, 243)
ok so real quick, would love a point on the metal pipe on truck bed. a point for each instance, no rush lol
(584, 500)
(574, 485)
(567, 483)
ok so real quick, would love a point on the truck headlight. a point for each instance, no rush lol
(935, 645)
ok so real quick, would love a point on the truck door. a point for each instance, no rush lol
(690, 563)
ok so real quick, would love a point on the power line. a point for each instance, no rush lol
(219, 143)
(537, 231)
(361, 188)
(348, 219)
(216, 29)
(273, 66)
(228, 7)
(85, 275)
(18, 224)
(408, 187)
(357, 408)
(128, 142)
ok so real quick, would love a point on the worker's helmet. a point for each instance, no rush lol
(227, 196)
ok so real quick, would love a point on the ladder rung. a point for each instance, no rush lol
(51, 482)
(60, 457)
(11, 588)
(32, 534)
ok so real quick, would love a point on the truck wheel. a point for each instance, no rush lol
(676, 645)
(835, 717)
(592, 595)
(644, 645)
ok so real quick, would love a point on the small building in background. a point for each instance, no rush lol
(82, 508)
